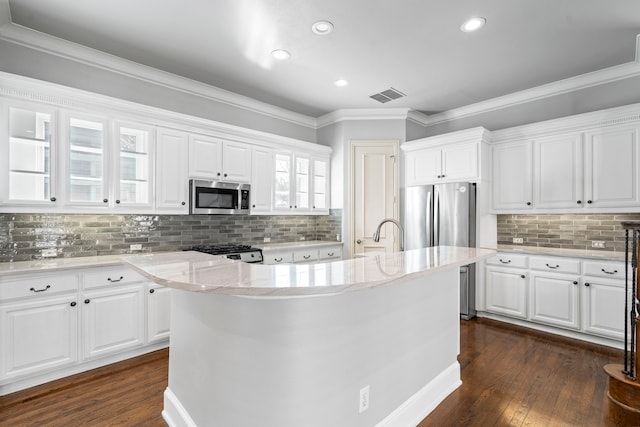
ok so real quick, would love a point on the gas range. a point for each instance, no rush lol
(243, 253)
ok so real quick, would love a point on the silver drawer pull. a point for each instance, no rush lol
(505, 262)
(277, 259)
(331, 253)
(609, 272)
(306, 256)
(40, 290)
(114, 280)
(553, 267)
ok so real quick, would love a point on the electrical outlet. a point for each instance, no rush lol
(49, 253)
(135, 247)
(517, 240)
(363, 403)
(302, 238)
(599, 244)
(267, 239)
(337, 237)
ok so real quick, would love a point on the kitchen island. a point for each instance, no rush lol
(360, 342)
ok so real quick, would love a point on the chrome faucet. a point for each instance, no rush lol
(376, 235)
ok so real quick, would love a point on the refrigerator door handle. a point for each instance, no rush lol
(436, 217)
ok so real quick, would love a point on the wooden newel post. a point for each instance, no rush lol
(624, 387)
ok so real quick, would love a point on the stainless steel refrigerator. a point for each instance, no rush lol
(444, 215)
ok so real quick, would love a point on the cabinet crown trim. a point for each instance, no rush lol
(477, 134)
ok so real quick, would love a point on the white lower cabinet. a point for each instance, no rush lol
(554, 300)
(158, 312)
(583, 295)
(603, 300)
(38, 335)
(112, 320)
(506, 291)
(57, 324)
(302, 253)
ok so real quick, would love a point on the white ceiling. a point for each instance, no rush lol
(414, 46)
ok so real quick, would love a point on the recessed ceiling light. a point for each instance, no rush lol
(341, 83)
(473, 24)
(322, 27)
(280, 54)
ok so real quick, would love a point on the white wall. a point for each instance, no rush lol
(28, 62)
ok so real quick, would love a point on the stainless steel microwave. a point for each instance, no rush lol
(218, 197)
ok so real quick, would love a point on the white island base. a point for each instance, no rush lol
(303, 361)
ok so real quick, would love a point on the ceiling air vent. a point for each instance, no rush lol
(387, 95)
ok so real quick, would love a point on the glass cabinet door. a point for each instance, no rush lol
(86, 161)
(30, 156)
(282, 187)
(302, 183)
(134, 166)
(320, 184)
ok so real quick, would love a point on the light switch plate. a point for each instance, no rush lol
(599, 244)
(517, 240)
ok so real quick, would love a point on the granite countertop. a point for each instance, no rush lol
(296, 245)
(574, 253)
(55, 264)
(195, 271)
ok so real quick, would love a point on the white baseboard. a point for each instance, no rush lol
(174, 413)
(418, 406)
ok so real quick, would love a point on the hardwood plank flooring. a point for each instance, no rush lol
(511, 376)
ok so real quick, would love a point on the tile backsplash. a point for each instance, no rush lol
(23, 237)
(569, 231)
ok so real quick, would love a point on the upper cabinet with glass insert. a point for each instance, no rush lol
(303, 189)
(86, 161)
(28, 154)
(133, 181)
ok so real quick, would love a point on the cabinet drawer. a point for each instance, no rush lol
(272, 257)
(330, 252)
(556, 264)
(609, 269)
(305, 255)
(110, 276)
(509, 260)
(37, 285)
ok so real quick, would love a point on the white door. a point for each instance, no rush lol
(158, 309)
(506, 292)
(261, 179)
(172, 170)
(423, 166)
(113, 320)
(374, 195)
(554, 300)
(38, 336)
(460, 162)
(236, 162)
(512, 177)
(205, 157)
(603, 302)
(557, 175)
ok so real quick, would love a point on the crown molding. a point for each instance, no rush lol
(578, 123)
(62, 48)
(348, 114)
(476, 134)
(26, 89)
(5, 13)
(583, 81)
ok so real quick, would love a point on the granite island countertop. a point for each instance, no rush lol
(573, 253)
(199, 272)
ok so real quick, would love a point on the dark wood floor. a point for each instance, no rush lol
(511, 377)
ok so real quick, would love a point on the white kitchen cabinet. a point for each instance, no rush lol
(301, 184)
(320, 185)
(305, 255)
(611, 168)
(554, 299)
(112, 320)
(506, 291)
(558, 171)
(330, 252)
(261, 179)
(28, 156)
(205, 157)
(172, 181)
(217, 159)
(86, 167)
(38, 335)
(457, 162)
(158, 312)
(603, 302)
(133, 166)
(452, 157)
(512, 177)
(301, 253)
(284, 256)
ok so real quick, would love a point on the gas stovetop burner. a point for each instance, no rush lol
(222, 249)
(238, 252)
